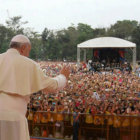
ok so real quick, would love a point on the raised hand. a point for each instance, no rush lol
(65, 71)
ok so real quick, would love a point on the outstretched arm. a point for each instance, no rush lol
(58, 82)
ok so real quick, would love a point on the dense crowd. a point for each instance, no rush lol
(111, 92)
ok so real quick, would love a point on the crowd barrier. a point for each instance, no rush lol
(40, 138)
(83, 126)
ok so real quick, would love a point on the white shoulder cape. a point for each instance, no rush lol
(21, 75)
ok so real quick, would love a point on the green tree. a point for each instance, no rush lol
(67, 42)
(99, 32)
(15, 24)
(85, 32)
(136, 39)
(123, 29)
(45, 44)
(5, 37)
(36, 45)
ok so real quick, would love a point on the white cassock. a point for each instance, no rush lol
(19, 78)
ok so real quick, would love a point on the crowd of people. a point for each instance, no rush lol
(111, 92)
(98, 66)
(90, 97)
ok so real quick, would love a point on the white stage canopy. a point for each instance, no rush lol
(106, 42)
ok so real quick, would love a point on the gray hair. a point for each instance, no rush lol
(16, 44)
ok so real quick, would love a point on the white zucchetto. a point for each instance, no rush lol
(20, 39)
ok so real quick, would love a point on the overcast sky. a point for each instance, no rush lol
(58, 14)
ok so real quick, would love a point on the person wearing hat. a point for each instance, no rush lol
(19, 78)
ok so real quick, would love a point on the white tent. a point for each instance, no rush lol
(106, 42)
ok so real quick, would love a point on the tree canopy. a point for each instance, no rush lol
(62, 44)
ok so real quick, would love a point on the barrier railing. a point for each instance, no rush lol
(83, 126)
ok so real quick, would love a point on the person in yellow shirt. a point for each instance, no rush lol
(44, 118)
(135, 127)
(117, 123)
(126, 127)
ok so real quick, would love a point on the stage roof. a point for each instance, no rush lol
(106, 42)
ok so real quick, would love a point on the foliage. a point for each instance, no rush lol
(62, 44)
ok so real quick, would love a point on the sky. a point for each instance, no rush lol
(59, 14)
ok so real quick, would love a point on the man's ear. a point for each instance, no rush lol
(22, 48)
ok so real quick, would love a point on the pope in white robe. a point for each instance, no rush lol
(19, 78)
